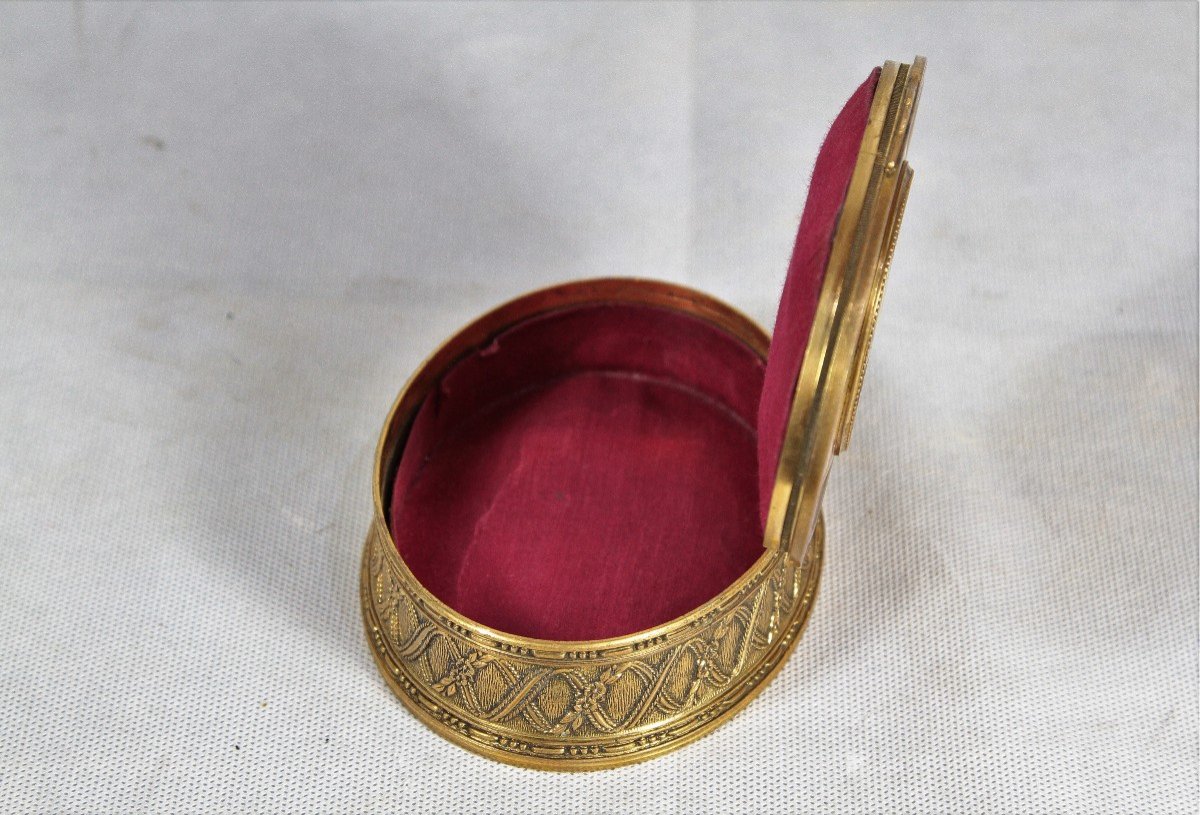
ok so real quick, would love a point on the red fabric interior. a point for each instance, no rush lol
(604, 469)
(806, 273)
(588, 474)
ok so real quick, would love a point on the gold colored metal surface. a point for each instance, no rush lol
(576, 705)
(582, 705)
(868, 330)
(825, 400)
(603, 703)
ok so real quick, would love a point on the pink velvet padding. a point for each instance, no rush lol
(588, 474)
(806, 272)
(604, 469)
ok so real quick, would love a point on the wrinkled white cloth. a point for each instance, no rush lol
(229, 233)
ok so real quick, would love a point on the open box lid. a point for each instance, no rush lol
(831, 301)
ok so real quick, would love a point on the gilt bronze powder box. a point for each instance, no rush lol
(597, 526)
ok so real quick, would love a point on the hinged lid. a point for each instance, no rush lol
(832, 364)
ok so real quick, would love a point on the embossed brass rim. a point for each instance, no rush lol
(576, 705)
(552, 748)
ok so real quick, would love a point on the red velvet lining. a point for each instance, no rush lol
(592, 472)
(588, 474)
(806, 272)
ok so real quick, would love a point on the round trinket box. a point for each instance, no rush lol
(597, 529)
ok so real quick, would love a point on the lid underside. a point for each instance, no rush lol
(831, 372)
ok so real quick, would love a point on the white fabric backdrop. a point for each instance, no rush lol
(229, 233)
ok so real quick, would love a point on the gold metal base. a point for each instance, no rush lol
(583, 705)
(572, 706)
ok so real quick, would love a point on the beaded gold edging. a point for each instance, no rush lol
(625, 701)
